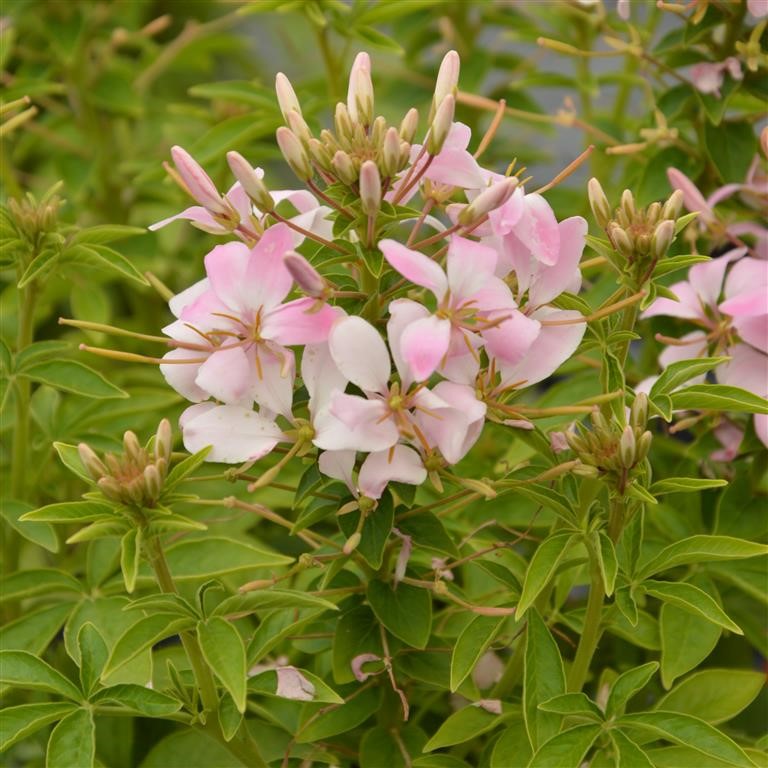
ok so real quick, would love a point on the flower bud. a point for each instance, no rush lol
(621, 242)
(198, 182)
(643, 243)
(639, 413)
(390, 153)
(628, 204)
(447, 78)
(91, 461)
(441, 125)
(662, 238)
(488, 200)
(163, 440)
(377, 131)
(250, 181)
(627, 447)
(673, 206)
(294, 153)
(409, 125)
(583, 470)
(351, 544)
(344, 168)
(306, 276)
(360, 91)
(342, 122)
(132, 446)
(299, 127)
(643, 446)
(319, 154)
(152, 481)
(601, 209)
(110, 488)
(370, 188)
(286, 96)
(653, 213)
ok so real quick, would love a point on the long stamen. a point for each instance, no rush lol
(568, 170)
(132, 357)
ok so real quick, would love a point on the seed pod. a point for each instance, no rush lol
(370, 188)
(250, 181)
(286, 96)
(601, 208)
(294, 153)
(441, 125)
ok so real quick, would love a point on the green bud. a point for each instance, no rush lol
(673, 206)
(662, 238)
(601, 209)
(643, 446)
(639, 412)
(627, 447)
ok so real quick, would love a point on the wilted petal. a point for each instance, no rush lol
(291, 684)
(237, 434)
(357, 666)
(301, 321)
(360, 354)
(226, 375)
(424, 344)
(401, 464)
(415, 266)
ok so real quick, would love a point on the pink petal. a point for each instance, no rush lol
(273, 370)
(504, 219)
(236, 434)
(302, 321)
(510, 340)
(188, 296)
(226, 266)
(402, 312)
(758, 8)
(538, 229)
(723, 194)
(199, 217)
(226, 375)
(747, 304)
(761, 427)
(339, 466)
(400, 465)
(753, 330)
(687, 307)
(320, 375)
(181, 376)
(696, 346)
(423, 345)
(747, 369)
(707, 77)
(692, 198)
(415, 266)
(730, 437)
(706, 278)
(356, 424)
(746, 275)
(360, 354)
(469, 266)
(550, 281)
(268, 281)
(455, 168)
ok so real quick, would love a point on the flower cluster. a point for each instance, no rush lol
(442, 330)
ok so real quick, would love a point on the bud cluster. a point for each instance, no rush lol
(33, 220)
(136, 477)
(640, 236)
(612, 451)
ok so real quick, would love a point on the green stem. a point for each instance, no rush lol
(590, 636)
(628, 320)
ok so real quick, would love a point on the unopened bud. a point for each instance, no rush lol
(342, 122)
(673, 206)
(662, 238)
(478, 486)
(441, 125)
(344, 168)
(488, 200)
(250, 181)
(299, 126)
(377, 131)
(110, 488)
(653, 213)
(91, 461)
(621, 242)
(447, 78)
(390, 152)
(320, 154)
(360, 91)
(294, 153)
(152, 481)
(351, 544)
(135, 490)
(643, 243)
(643, 446)
(198, 182)
(370, 188)
(600, 422)
(628, 204)
(639, 413)
(132, 446)
(584, 470)
(163, 440)
(409, 125)
(601, 208)
(627, 447)
(286, 96)
(306, 276)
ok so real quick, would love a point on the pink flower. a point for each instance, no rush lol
(707, 77)
(758, 8)
(470, 300)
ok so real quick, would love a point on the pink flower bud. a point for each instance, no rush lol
(342, 122)
(662, 238)
(370, 187)
(306, 276)
(91, 461)
(286, 96)
(488, 200)
(390, 152)
(442, 123)
(409, 125)
(447, 78)
(198, 182)
(163, 440)
(360, 91)
(344, 168)
(294, 153)
(299, 126)
(250, 181)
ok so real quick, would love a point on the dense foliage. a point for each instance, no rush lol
(434, 439)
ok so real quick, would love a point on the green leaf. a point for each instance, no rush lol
(380, 746)
(428, 532)
(267, 681)
(375, 533)
(674, 263)
(717, 397)
(573, 704)
(340, 719)
(224, 651)
(70, 458)
(685, 485)
(691, 598)
(637, 491)
(460, 726)
(38, 581)
(630, 755)
(686, 640)
(681, 371)
(544, 678)
(379, 39)
(40, 350)
(269, 600)
(356, 633)
(34, 630)
(542, 568)
(162, 602)
(39, 266)
(72, 376)
(73, 742)
(689, 731)
(626, 685)
(19, 722)
(185, 468)
(714, 695)
(406, 611)
(606, 560)
(142, 635)
(230, 719)
(512, 747)
(701, 549)
(731, 146)
(69, 512)
(130, 555)
(548, 498)
(189, 748)
(107, 258)
(567, 749)
(472, 644)
(93, 657)
(24, 670)
(106, 233)
(42, 534)
(138, 698)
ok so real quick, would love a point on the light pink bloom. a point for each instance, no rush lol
(471, 300)
(707, 77)
(758, 8)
